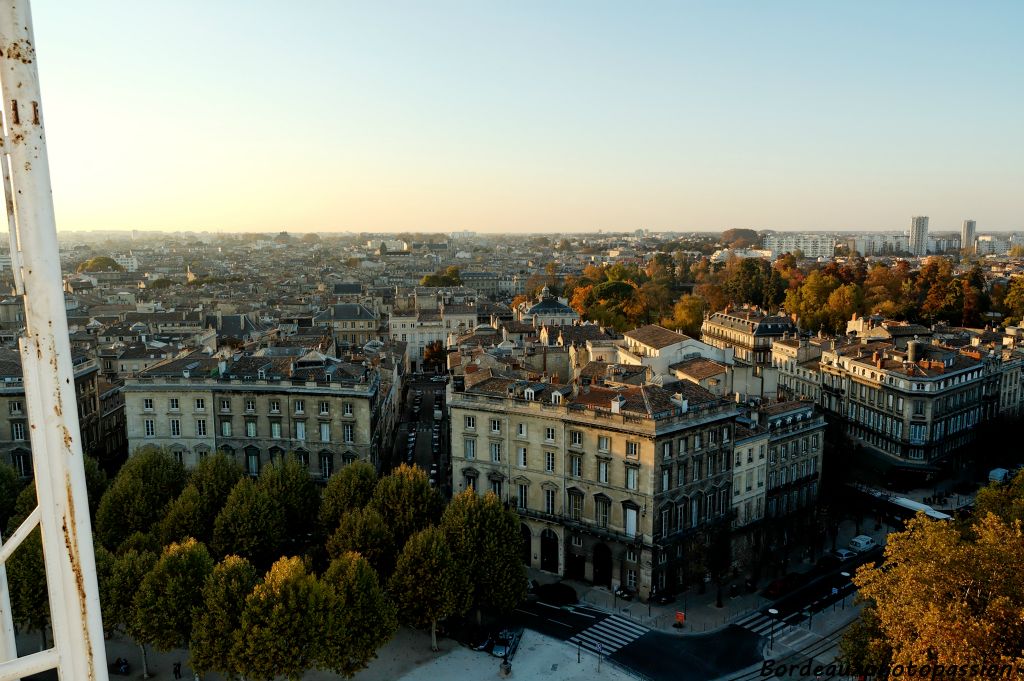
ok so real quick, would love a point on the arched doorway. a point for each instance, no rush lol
(527, 544)
(549, 551)
(602, 565)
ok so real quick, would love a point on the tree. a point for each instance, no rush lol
(1006, 502)
(95, 483)
(949, 594)
(25, 571)
(406, 501)
(219, 616)
(360, 618)
(184, 518)
(117, 595)
(215, 476)
(434, 355)
(159, 284)
(10, 487)
(740, 238)
(484, 537)
(427, 585)
(99, 264)
(137, 497)
(169, 593)
(350, 489)
(282, 624)
(687, 315)
(365, 532)
(288, 483)
(251, 524)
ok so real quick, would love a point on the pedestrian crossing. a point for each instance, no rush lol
(759, 623)
(608, 635)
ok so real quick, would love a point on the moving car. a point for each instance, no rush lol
(844, 554)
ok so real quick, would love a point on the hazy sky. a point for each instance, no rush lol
(560, 116)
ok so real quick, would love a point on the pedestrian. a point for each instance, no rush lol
(177, 670)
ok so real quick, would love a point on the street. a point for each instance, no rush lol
(420, 422)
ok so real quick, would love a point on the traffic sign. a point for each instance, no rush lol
(680, 616)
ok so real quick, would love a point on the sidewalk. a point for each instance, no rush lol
(702, 613)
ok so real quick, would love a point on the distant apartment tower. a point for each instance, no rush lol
(967, 235)
(919, 235)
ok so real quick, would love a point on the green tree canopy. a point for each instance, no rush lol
(185, 517)
(118, 591)
(10, 487)
(251, 524)
(282, 624)
(287, 482)
(99, 264)
(360, 618)
(350, 489)
(219, 616)
(365, 532)
(169, 593)
(427, 584)
(406, 501)
(138, 496)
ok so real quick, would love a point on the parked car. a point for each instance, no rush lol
(663, 599)
(862, 543)
(844, 554)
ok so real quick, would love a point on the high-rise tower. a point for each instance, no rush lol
(919, 235)
(967, 235)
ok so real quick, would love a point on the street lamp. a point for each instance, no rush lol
(846, 575)
(774, 613)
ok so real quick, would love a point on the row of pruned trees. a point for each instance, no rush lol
(271, 576)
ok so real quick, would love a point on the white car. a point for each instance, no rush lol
(862, 543)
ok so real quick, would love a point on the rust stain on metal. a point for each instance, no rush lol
(18, 138)
(35, 113)
(67, 438)
(15, 119)
(71, 542)
(21, 50)
(28, 167)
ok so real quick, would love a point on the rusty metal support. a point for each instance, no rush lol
(50, 392)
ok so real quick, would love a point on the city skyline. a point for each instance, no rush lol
(566, 118)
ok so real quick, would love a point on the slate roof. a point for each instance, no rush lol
(655, 336)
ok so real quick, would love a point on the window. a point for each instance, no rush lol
(19, 429)
(630, 555)
(325, 432)
(325, 408)
(725, 434)
(549, 462)
(147, 404)
(250, 428)
(575, 438)
(496, 488)
(250, 405)
(603, 443)
(631, 578)
(14, 407)
(495, 426)
(225, 428)
(602, 509)
(225, 405)
(577, 540)
(697, 441)
(576, 466)
(275, 406)
(666, 450)
(300, 406)
(631, 477)
(576, 506)
(549, 501)
(633, 450)
(602, 472)
(682, 446)
(200, 427)
(666, 479)
(300, 430)
(200, 404)
(275, 430)
(521, 430)
(179, 456)
(346, 409)
(252, 460)
(696, 469)
(469, 422)
(549, 434)
(523, 496)
(347, 432)
(174, 404)
(496, 452)
(175, 428)
(326, 464)
(470, 448)
(522, 457)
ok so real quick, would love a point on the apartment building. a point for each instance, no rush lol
(257, 408)
(811, 245)
(428, 315)
(796, 438)
(910, 407)
(615, 484)
(352, 324)
(15, 446)
(748, 330)
(749, 473)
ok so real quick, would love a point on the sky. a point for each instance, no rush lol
(530, 115)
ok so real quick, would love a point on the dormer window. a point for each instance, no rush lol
(528, 393)
(261, 375)
(556, 398)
